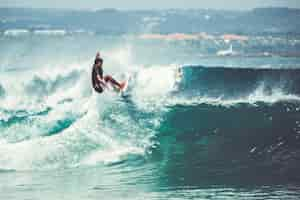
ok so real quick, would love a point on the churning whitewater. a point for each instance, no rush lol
(52, 118)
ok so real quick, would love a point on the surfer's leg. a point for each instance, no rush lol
(113, 81)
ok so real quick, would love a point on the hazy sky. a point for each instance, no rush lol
(150, 4)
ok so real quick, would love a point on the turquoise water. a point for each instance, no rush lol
(228, 127)
(107, 183)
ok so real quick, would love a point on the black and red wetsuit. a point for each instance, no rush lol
(95, 72)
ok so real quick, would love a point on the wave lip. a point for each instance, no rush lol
(239, 82)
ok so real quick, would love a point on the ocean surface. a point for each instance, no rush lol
(192, 125)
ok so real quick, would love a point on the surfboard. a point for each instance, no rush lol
(125, 88)
(115, 89)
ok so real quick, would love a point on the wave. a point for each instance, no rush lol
(95, 136)
(224, 143)
(225, 132)
(223, 122)
(46, 86)
(163, 86)
(56, 112)
(58, 115)
(239, 82)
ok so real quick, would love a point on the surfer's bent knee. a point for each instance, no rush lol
(107, 78)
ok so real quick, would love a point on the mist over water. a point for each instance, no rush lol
(191, 125)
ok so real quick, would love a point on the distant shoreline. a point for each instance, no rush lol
(258, 21)
(108, 9)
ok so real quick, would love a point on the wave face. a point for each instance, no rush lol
(239, 82)
(197, 129)
(231, 125)
(237, 144)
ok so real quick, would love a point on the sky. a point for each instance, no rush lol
(151, 4)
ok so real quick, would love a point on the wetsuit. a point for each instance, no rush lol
(97, 71)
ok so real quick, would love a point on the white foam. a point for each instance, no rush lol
(86, 141)
(63, 150)
(256, 97)
(111, 155)
(16, 32)
(51, 32)
(16, 96)
(155, 81)
(119, 59)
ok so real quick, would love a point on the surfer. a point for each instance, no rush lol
(99, 82)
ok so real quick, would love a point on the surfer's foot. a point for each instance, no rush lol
(122, 85)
